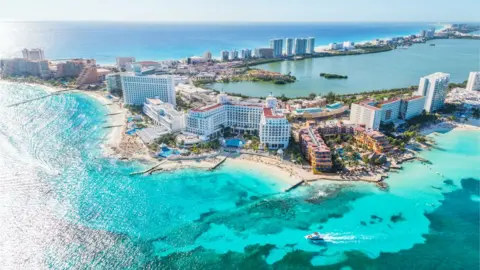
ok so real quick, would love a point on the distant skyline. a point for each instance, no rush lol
(242, 11)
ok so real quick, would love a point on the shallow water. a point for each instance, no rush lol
(65, 206)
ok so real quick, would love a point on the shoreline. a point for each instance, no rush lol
(442, 28)
(443, 127)
(116, 143)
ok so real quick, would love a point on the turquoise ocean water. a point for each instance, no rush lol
(63, 205)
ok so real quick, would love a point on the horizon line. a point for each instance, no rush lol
(209, 21)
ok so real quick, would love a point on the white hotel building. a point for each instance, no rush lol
(473, 83)
(390, 109)
(164, 114)
(371, 113)
(272, 126)
(412, 107)
(311, 45)
(434, 88)
(365, 113)
(137, 88)
(277, 46)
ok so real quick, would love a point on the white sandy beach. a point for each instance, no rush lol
(116, 119)
(471, 124)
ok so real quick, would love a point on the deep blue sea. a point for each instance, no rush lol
(63, 205)
(156, 41)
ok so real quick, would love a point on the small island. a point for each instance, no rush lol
(259, 75)
(332, 76)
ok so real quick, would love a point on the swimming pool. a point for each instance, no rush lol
(131, 131)
(309, 110)
(166, 152)
(235, 142)
(334, 105)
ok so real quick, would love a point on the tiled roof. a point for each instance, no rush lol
(205, 109)
(267, 112)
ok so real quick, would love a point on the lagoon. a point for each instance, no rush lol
(397, 68)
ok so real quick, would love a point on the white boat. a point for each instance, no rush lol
(314, 237)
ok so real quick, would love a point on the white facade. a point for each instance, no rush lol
(233, 55)
(311, 45)
(206, 121)
(390, 110)
(362, 114)
(335, 46)
(273, 127)
(136, 89)
(348, 45)
(207, 56)
(473, 83)
(434, 88)
(289, 46)
(412, 107)
(33, 54)
(125, 62)
(224, 55)
(274, 130)
(164, 114)
(300, 46)
(277, 46)
(246, 54)
(114, 83)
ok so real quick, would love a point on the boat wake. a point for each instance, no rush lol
(338, 238)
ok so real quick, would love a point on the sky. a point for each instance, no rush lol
(241, 10)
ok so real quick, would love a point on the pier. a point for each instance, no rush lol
(38, 98)
(218, 164)
(148, 171)
(113, 126)
(294, 186)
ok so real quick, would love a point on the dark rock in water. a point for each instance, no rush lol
(449, 182)
(205, 215)
(376, 218)
(334, 215)
(471, 185)
(254, 198)
(320, 227)
(372, 222)
(241, 202)
(397, 218)
(363, 223)
(242, 194)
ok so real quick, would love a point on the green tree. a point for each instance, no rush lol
(195, 149)
(476, 113)
(331, 97)
(283, 98)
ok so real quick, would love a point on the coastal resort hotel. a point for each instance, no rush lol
(372, 139)
(265, 120)
(315, 150)
(429, 97)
